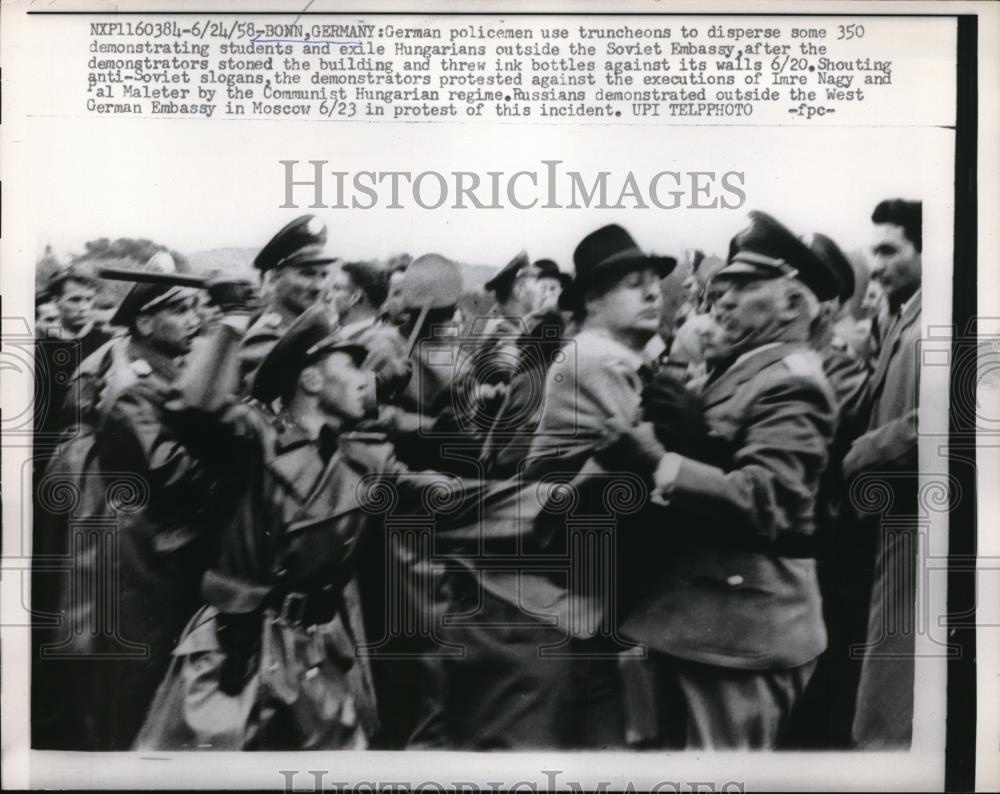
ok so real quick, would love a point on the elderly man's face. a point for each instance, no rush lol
(632, 306)
(298, 288)
(896, 262)
(746, 313)
(173, 328)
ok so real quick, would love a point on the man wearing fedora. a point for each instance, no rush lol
(550, 636)
(137, 481)
(733, 623)
(297, 266)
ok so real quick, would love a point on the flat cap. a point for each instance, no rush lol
(767, 249)
(307, 340)
(301, 242)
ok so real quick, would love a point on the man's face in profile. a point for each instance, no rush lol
(896, 262)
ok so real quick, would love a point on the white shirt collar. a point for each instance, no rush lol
(909, 301)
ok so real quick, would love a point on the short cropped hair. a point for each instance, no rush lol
(71, 273)
(903, 213)
(370, 279)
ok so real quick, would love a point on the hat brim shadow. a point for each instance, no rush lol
(573, 293)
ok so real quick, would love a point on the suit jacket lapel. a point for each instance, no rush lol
(902, 321)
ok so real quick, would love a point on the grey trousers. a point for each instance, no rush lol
(706, 707)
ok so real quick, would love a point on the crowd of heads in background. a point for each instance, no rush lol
(691, 312)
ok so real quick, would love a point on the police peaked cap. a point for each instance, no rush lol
(766, 249)
(827, 250)
(508, 272)
(301, 242)
(307, 340)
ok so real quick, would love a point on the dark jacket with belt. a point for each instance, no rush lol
(737, 587)
(295, 509)
(138, 537)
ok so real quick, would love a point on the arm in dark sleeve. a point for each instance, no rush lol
(776, 468)
(135, 436)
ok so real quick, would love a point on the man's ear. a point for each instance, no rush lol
(311, 380)
(795, 306)
(144, 324)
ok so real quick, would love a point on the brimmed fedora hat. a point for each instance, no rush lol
(548, 269)
(601, 253)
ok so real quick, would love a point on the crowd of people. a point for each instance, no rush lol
(329, 509)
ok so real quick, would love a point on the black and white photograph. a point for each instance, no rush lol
(484, 398)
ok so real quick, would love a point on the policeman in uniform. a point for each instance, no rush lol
(269, 662)
(733, 622)
(298, 268)
(134, 477)
(823, 717)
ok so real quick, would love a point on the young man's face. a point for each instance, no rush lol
(173, 328)
(346, 391)
(343, 294)
(896, 262)
(298, 288)
(632, 306)
(75, 304)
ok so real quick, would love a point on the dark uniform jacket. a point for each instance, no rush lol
(269, 663)
(736, 586)
(139, 537)
(262, 335)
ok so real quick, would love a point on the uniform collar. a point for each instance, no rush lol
(161, 364)
(756, 351)
(292, 435)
